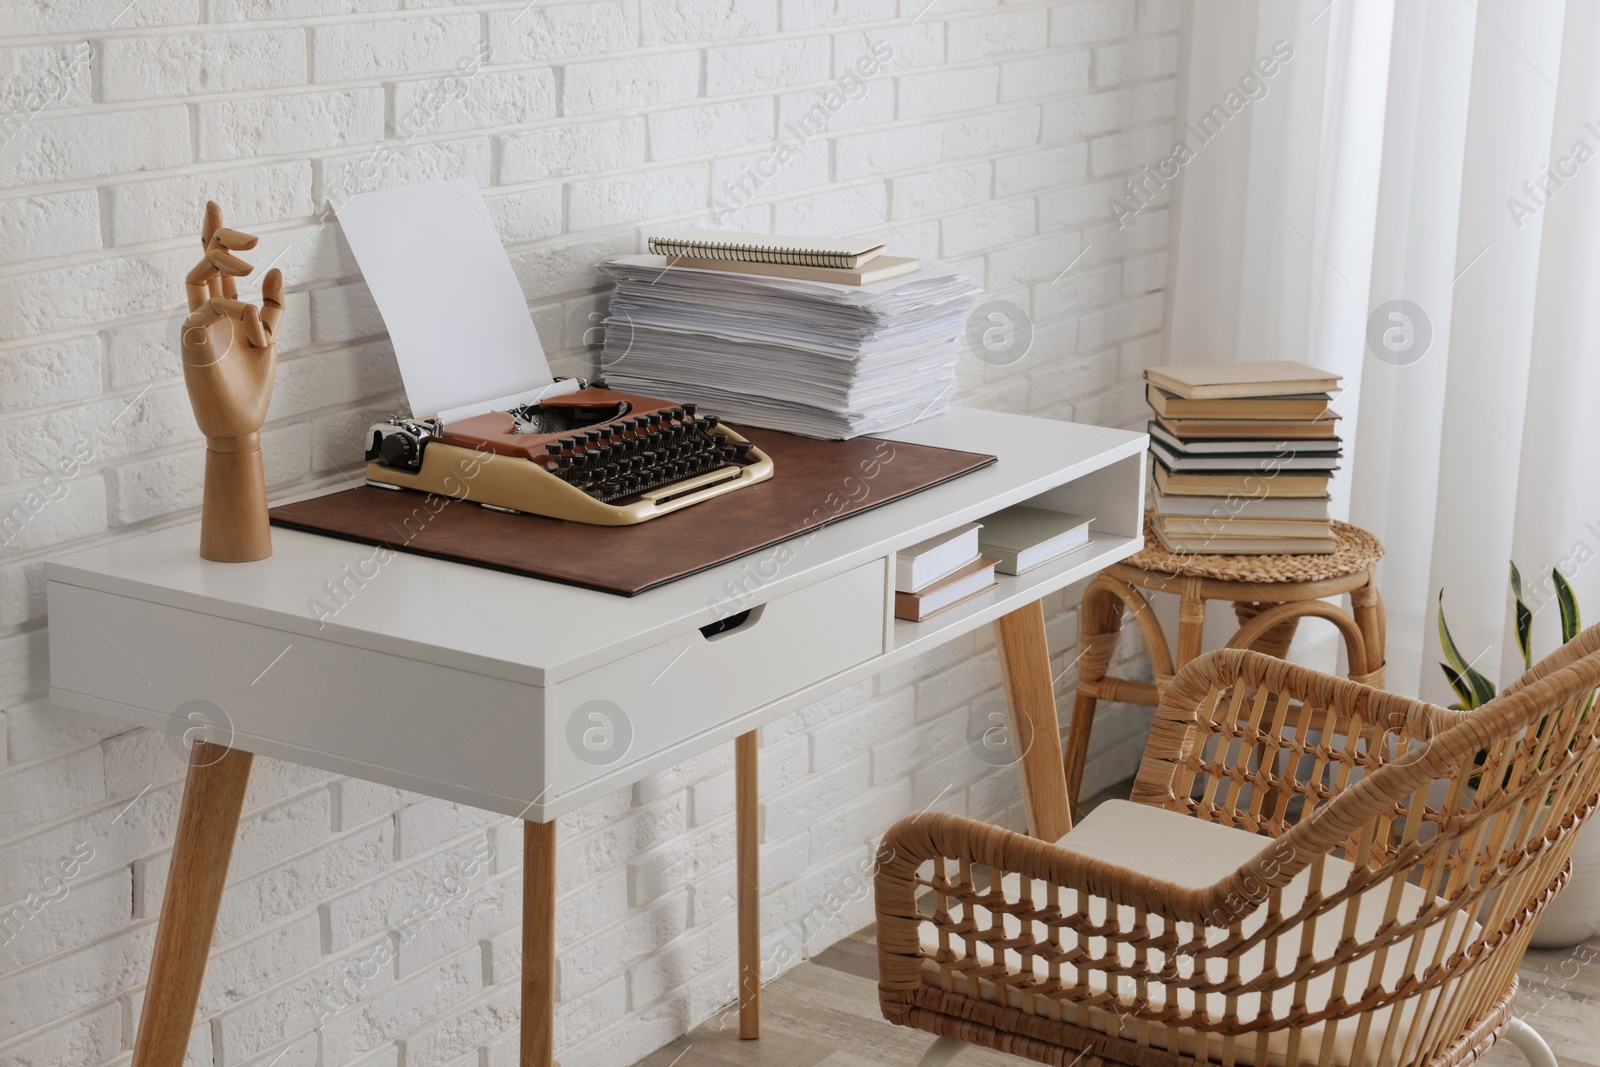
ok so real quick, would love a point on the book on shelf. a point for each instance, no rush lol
(1252, 463)
(1307, 508)
(1233, 526)
(1226, 381)
(1300, 407)
(1234, 483)
(879, 269)
(846, 253)
(1023, 537)
(1287, 429)
(1209, 545)
(973, 579)
(926, 562)
(1230, 445)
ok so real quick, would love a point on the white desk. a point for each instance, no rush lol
(484, 688)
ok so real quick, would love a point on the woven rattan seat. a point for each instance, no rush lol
(1270, 594)
(1311, 873)
(1355, 551)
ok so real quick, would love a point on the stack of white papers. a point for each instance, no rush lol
(815, 358)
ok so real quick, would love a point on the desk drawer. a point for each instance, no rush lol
(644, 703)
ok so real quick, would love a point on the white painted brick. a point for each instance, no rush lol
(1073, 378)
(805, 115)
(616, 84)
(281, 125)
(590, 962)
(27, 17)
(431, 822)
(922, 95)
(172, 482)
(469, 101)
(863, 206)
(706, 21)
(917, 44)
(394, 1012)
(997, 225)
(50, 513)
(828, 14)
(1024, 262)
(254, 10)
(1041, 168)
(555, 31)
(490, 1018)
(1091, 23)
(940, 190)
(738, 180)
(569, 266)
(990, 134)
(1144, 274)
(1030, 77)
(1128, 151)
(626, 198)
(1136, 61)
(171, 207)
(694, 131)
(352, 51)
(326, 379)
(190, 64)
(53, 373)
(572, 148)
(46, 226)
(148, 351)
(53, 148)
(1160, 16)
(530, 215)
(1000, 34)
(748, 68)
(93, 1037)
(870, 154)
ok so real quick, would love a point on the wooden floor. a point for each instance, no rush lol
(824, 1013)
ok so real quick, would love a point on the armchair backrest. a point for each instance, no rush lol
(1414, 846)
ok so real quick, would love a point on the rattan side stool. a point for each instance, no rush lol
(1270, 594)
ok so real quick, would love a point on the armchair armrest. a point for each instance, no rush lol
(1048, 920)
(1253, 741)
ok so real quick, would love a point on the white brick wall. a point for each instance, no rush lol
(368, 926)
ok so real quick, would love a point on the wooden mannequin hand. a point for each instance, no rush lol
(230, 358)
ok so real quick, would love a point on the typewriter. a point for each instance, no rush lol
(593, 455)
(487, 422)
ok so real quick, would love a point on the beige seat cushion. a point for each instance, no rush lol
(1187, 851)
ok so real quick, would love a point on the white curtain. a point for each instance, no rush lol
(1444, 153)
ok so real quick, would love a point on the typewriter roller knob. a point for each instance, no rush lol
(399, 450)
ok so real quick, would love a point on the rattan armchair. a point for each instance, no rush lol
(1310, 871)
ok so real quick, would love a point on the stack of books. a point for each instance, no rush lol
(808, 350)
(940, 573)
(1241, 457)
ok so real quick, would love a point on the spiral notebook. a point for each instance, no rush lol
(846, 253)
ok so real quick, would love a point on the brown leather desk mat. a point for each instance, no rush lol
(813, 483)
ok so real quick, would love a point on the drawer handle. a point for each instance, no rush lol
(732, 624)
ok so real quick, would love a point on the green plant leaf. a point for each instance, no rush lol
(1570, 622)
(1524, 620)
(1463, 690)
(1480, 690)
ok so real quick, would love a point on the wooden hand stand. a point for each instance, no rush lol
(230, 356)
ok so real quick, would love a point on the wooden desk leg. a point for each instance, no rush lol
(538, 943)
(747, 817)
(207, 825)
(1025, 665)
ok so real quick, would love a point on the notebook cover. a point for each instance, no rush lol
(811, 479)
(1217, 381)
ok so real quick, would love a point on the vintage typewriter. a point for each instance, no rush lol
(487, 421)
(593, 455)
